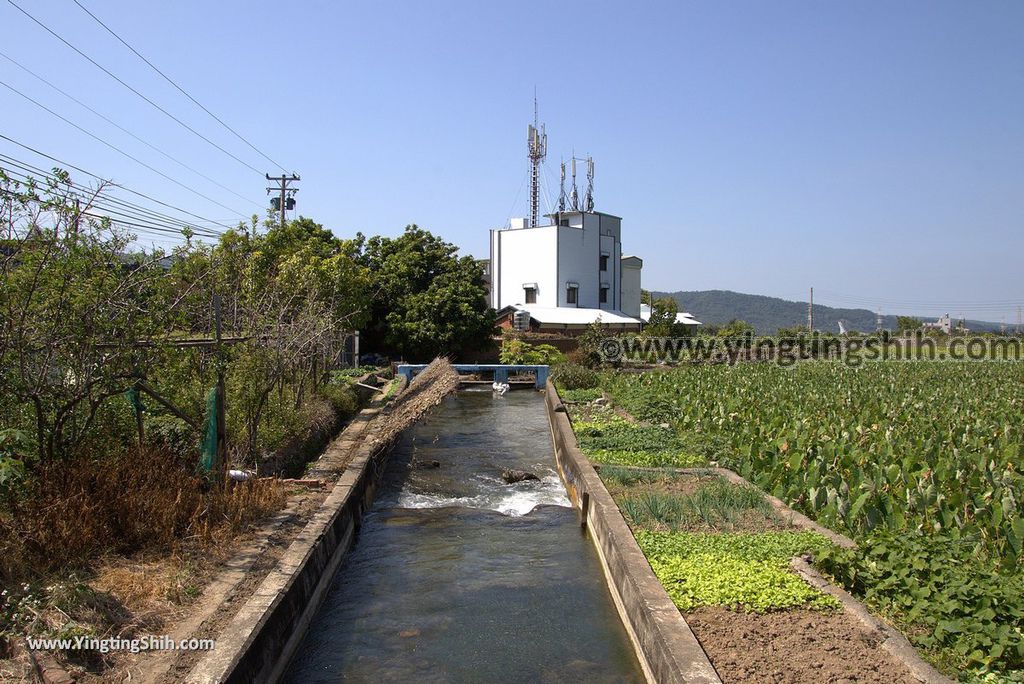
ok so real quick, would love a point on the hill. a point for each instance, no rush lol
(768, 314)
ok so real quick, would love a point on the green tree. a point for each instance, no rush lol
(663, 318)
(74, 307)
(427, 301)
(516, 350)
(908, 324)
(293, 293)
(736, 328)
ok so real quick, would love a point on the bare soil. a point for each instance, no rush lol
(793, 646)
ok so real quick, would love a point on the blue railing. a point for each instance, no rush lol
(501, 371)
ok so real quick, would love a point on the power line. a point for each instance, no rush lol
(142, 228)
(94, 204)
(27, 172)
(121, 207)
(117, 149)
(119, 80)
(173, 83)
(125, 130)
(67, 165)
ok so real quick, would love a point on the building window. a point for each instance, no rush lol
(563, 222)
(604, 262)
(531, 295)
(604, 295)
(570, 295)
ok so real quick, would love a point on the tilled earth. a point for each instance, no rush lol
(793, 646)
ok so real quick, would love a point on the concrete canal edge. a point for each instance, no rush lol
(667, 649)
(259, 641)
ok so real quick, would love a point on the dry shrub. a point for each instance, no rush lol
(77, 509)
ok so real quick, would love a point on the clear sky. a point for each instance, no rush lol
(873, 150)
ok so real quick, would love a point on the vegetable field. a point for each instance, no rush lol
(918, 462)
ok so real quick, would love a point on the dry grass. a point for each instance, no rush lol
(117, 545)
(76, 510)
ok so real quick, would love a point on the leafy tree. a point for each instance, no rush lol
(427, 301)
(293, 293)
(73, 306)
(593, 348)
(908, 324)
(663, 318)
(736, 328)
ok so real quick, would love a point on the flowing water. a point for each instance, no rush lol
(457, 576)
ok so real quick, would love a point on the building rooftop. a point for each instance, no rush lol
(569, 315)
(570, 211)
(681, 317)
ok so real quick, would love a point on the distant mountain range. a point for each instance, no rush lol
(768, 314)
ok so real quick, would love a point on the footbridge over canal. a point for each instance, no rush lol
(498, 372)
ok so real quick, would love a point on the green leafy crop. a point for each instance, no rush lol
(920, 462)
(739, 571)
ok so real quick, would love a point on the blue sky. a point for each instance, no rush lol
(872, 150)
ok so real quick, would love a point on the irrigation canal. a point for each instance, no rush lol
(458, 576)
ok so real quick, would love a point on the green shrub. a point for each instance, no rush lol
(581, 395)
(337, 375)
(173, 434)
(342, 398)
(515, 350)
(571, 376)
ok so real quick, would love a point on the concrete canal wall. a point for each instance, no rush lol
(666, 647)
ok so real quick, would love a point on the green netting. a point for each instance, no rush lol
(133, 398)
(208, 449)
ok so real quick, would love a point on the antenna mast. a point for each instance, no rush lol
(561, 190)
(574, 198)
(537, 149)
(588, 201)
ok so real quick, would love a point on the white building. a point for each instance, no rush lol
(681, 317)
(568, 273)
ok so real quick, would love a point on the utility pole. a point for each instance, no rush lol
(285, 200)
(810, 313)
(222, 460)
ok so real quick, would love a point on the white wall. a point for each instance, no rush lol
(526, 255)
(630, 289)
(578, 252)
